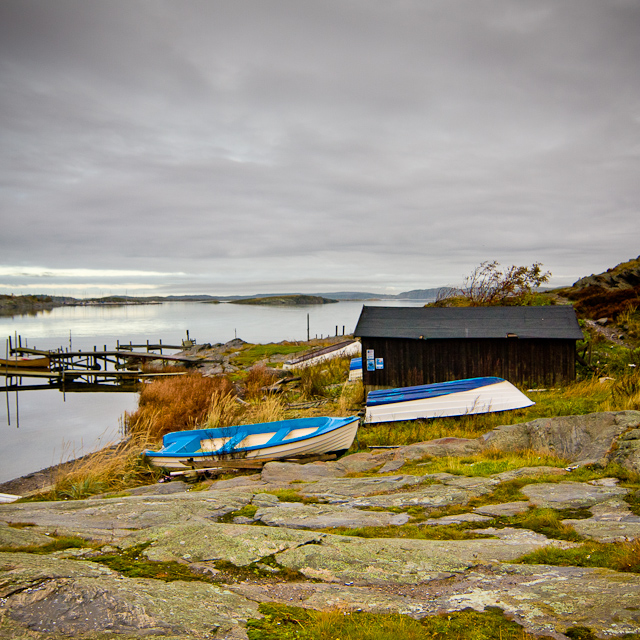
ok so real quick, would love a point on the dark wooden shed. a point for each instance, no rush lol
(406, 346)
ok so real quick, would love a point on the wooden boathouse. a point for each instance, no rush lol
(407, 346)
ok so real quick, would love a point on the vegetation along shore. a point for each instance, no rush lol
(518, 525)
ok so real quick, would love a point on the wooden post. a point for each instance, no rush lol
(307, 327)
(6, 373)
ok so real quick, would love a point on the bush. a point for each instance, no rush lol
(488, 285)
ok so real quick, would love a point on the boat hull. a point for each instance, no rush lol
(458, 398)
(15, 362)
(326, 438)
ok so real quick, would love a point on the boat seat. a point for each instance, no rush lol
(181, 445)
(231, 444)
(278, 436)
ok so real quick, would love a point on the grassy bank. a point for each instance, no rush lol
(193, 401)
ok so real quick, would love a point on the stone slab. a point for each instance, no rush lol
(398, 561)
(118, 516)
(506, 509)
(209, 542)
(570, 495)
(311, 516)
(13, 538)
(75, 598)
(456, 519)
(545, 600)
(337, 490)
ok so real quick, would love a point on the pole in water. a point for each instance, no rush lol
(6, 384)
(308, 327)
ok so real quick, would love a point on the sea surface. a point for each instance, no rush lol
(43, 428)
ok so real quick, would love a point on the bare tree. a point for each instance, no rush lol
(488, 285)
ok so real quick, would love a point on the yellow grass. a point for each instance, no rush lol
(108, 470)
(175, 404)
(224, 411)
(270, 409)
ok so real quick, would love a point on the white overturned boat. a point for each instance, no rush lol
(269, 440)
(346, 348)
(454, 398)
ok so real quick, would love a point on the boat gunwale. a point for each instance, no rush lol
(426, 391)
(327, 429)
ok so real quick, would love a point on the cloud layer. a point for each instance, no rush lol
(265, 145)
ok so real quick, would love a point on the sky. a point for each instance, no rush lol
(156, 147)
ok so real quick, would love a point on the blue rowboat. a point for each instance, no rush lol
(269, 440)
(453, 398)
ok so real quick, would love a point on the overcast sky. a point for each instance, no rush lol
(221, 147)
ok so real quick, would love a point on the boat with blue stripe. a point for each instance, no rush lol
(442, 399)
(269, 440)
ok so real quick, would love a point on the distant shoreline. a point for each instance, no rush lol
(21, 305)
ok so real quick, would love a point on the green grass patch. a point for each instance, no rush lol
(291, 495)
(132, 563)
(248, 511)
(56, 544)
(283, 622)
(484, 464)
(258, 352)
(619, 556)
(547, 522)
(265, 568)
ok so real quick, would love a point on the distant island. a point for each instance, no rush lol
(289, 300)
(14, 305)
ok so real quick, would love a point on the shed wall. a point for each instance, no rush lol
(527, 362)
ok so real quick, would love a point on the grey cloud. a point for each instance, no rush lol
(288, 144)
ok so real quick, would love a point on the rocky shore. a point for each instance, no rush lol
(245, 541)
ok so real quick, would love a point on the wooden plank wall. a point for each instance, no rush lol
(531, 363)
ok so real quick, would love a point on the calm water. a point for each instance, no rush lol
(54, 428)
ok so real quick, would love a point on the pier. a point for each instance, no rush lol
(119, 370)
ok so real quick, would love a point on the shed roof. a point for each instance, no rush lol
(550, 322)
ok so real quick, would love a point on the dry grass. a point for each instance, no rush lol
(224, 411)
(625, 393)
(257, 379)
(270, 409)
(108, 470)
(619, 556)
(174, 404)
(284, 622)
(316, 380)
(351, 398)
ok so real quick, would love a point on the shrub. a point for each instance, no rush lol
(488, 285)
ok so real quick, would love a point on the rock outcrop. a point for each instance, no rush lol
(594, 438)
(294, 557)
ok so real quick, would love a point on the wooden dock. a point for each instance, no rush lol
(121, 369)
